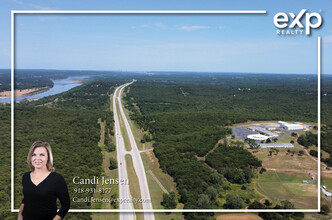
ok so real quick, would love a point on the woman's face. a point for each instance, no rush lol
(39, 158)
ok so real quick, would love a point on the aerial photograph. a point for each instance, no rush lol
(153, 111)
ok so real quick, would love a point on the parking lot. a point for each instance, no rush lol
(241, 132)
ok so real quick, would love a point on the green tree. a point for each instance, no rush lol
(233, 201)
(169, 200)
(214, 178)
(325, 210)
(110, 146)
(212, 192)
(146, 138)
(313, 153)
(267, 202)
(262, 170)
(113, 164)
(203, 200)
(184, 195)
(287, 204)
(256, 205)
(113, 202)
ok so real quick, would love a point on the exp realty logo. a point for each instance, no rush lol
(293, 24)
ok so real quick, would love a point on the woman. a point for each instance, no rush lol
(42, 186)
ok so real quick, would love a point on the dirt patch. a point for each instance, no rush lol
(22, 92)
(150, 156)
(239, 217)
(304, 201)
(284, 160)
(294, 171)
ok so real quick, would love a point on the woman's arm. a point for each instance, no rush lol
(20, 216)
(62, 192)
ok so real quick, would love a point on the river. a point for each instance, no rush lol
(60, 85)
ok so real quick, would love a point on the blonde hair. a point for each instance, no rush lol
(47, 146)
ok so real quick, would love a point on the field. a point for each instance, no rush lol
(285, 172)
(286, 169)
(285, 161)
(279, 186)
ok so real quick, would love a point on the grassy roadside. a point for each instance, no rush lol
(133, 185)
(138, 133)
(151, 164)
(123, 130)
(107, 173)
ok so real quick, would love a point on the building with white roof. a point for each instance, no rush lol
(258, 137)
(290, 126)
(263, 130)
(276, 145)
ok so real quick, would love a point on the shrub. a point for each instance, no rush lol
(113, 164)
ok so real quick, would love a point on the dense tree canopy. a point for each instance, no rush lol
(185, 114)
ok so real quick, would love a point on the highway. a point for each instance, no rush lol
(124, 191)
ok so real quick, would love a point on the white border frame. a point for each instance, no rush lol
(13, 12)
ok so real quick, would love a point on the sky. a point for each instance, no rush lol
(172, 42)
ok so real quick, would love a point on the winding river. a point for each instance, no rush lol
(60, 85)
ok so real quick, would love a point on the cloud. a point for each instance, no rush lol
(141, 26)
(193, 27)
(327, 39)
(160, 25)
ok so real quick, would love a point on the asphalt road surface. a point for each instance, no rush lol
(124, 191)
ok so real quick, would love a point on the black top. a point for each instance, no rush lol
(40, 201)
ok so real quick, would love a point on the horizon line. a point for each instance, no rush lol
(164, 71)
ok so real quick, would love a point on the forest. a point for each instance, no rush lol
(187, 115)
(234, 162)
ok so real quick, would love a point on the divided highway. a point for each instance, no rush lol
(124, 191)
